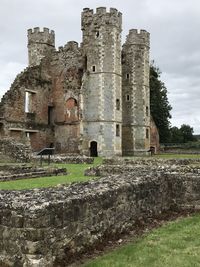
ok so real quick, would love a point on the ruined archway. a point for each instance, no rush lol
(93, 149)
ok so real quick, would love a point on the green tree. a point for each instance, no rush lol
(187, 133)
(176, 135)
(159, 104)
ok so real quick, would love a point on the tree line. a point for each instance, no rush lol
(160, 111)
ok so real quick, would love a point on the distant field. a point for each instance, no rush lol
(177, 244)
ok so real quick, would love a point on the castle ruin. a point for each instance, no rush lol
(91, 99)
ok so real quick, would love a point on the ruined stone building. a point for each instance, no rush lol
(89, 99)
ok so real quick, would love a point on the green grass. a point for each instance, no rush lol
(177, 244)
(75, 174)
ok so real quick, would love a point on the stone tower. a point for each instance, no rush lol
(40, 44)
(101, 88)
(135, 93)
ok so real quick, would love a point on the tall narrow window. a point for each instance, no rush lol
(85, 63)
(27, 102)
(117, 104)
(147, 111)
(127, 76)
(117, 130)
(127, 97)
(147, 133)
(93, 68)
(50, 115)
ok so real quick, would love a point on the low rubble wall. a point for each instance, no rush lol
(49, 227)
(11, 173)
(15, 151)
(64, 158)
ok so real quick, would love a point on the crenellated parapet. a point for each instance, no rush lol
(138, 37)
(101, 17)
(37, 36)
(40, 44)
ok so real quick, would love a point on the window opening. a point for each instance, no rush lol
(97, 34)
(117, 130)
(50, 115)
(85, 63)
(27, 102)
(127, 97)
(117, 104)
(147, 133)
(147, 111)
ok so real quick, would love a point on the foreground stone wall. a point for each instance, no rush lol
(49, 227)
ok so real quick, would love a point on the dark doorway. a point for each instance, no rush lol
(50, 115)
(93, 149)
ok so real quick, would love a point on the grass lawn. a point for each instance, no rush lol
(75, 174)
(177, 244)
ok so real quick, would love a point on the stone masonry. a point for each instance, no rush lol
(91, 99)
(51, 227)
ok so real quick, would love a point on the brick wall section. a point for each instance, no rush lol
(154, 136)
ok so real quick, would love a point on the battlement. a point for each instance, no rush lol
(101, 17)
(71, 45)
(44, 36)
(136, 36)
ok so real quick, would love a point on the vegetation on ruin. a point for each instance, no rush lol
(175, 244)
(75, 174)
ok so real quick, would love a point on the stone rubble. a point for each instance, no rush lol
(51, 227)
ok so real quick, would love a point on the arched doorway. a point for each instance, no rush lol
(93, 149)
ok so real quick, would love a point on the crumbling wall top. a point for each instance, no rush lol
(71, 45)
(136, 36)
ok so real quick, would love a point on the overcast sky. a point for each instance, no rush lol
(174, 26)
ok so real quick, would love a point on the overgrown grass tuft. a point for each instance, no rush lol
(177, 244)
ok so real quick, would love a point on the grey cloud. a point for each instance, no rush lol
(173, 24)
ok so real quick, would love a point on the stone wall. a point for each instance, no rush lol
(102, 81)
(14, 151)
(67, 158)
(12, 173)
(135, 93)
(49, 227)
